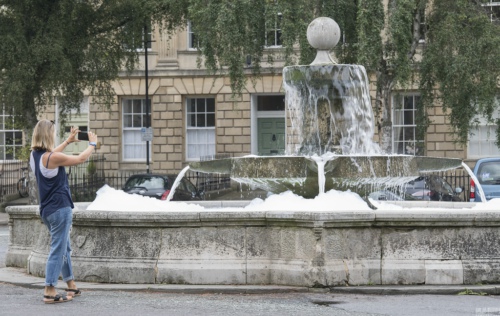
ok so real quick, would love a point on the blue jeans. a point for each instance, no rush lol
(59, 260)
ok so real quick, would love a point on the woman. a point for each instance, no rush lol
(48, 162)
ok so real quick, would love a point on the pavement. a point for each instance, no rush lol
(19, 277)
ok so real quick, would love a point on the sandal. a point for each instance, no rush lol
(73, 292)
(58, 298)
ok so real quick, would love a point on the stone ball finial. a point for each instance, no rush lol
(323, 33)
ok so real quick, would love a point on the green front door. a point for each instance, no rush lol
(271, 140)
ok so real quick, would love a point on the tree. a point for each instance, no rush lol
(461, 64)
(63, 48)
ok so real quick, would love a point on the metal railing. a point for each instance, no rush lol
(85, 179)
(457, 178)
(10, 173)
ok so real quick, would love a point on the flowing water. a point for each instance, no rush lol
(476, 181)
(329, 110)
(176, 183)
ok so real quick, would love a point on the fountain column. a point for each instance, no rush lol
(328, 104)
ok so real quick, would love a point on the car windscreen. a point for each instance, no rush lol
(148, 182)
(489, 173)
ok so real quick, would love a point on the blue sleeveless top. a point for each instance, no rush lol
(54, 192)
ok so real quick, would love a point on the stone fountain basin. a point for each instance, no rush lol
(430, 245)
(299, 174)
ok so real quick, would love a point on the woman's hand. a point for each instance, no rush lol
(72, 136)
(92, 137)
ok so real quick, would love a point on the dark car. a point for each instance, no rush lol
(487, 171)
(432, 188)
(158, 186)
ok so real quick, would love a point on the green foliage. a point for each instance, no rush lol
(397, 48)
(467, 291)
(369, 27)
(65, 47)
(91, 167)
(461, 64)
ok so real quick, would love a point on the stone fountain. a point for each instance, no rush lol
(329, 134)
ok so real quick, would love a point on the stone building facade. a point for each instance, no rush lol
(194, 115)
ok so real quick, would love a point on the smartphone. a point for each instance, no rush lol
(83, 136)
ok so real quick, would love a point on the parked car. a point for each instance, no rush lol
(487, 171)
(424, 188)
(159, 186)
(432, 188)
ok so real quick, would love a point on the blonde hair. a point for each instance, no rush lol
(43, 136)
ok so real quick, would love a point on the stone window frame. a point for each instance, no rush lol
(137, 137)
(276, 32)
(481, 143)
(404, 124)
(191, 37)
(192, 128)
(8, 151)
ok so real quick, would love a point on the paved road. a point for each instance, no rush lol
(4, 243)
(19, 300)
(24, 301)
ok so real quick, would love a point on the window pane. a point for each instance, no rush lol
(200, 120)
(127, 106)
(9, 138)
(127, 121)
(270, 38)
(191, 120)
(137, 121)
(408, 118)
(192, 105)
(210, 105)
(18, 138)
(200, 106)
(137, 106)
(210, 120)
(399, 135)
(409, 133)
(271, 103)
(408, 102)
